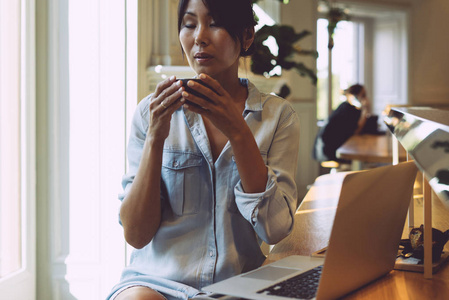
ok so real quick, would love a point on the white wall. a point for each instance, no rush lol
(429, 52)
(302, 15)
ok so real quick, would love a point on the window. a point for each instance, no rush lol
(10, 243)
(17, 155)
(370, 49)
(347, 62)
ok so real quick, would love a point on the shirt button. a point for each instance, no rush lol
(211, 253)
(175, 164)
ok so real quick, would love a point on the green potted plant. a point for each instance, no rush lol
(263, 61)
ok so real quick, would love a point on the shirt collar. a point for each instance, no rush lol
(254, 100)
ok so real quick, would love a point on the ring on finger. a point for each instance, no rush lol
(162, 104)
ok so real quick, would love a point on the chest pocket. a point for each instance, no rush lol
(181, 175)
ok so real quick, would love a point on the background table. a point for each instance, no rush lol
(369, 148)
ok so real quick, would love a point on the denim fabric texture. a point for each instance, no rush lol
(211, 229)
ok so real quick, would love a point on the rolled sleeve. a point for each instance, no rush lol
(247, 203)
(271, 213)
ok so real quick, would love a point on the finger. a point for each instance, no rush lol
(163, 109)
(212, 83)
(161, 86)
(171, 94)
(201, 92)
(174, 106)
(168, 96)
(197, 109)
(158, 105)
(197, 101)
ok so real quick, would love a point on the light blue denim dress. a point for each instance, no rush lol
(211, 229)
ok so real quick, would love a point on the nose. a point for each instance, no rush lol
(201, 37)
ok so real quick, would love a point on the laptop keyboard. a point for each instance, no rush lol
(302, 286)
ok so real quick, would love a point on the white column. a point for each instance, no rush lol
(97, 132)
(81, 146)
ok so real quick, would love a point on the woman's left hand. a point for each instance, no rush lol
(220, 108)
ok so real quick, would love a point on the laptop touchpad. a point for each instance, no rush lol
(270, 273)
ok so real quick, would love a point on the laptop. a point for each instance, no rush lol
(363, 244)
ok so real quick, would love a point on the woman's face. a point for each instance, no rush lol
(208, 47)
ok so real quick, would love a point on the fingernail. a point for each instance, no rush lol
(191, 83)
(185, 94)
(202, 76)
(172, 77)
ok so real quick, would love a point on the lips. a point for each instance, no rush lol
(202, 56)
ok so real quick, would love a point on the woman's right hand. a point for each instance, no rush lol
(140, 212)
(163, 103)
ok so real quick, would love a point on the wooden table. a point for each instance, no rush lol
(313, 223)
(369, 148)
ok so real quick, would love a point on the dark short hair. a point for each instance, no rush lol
(235, 16)
(354, 89)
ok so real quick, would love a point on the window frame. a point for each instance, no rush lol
(362, 66)
(22, 283)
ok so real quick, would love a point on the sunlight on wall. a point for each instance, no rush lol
(264, 18)
(270, 42)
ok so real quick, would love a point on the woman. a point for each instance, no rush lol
(207, 181)
(356, 96)
(348, 119)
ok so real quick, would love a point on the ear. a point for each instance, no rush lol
(248, 37)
